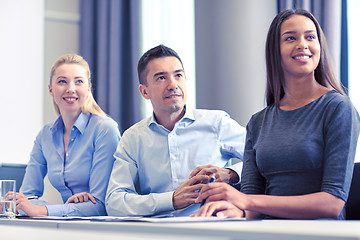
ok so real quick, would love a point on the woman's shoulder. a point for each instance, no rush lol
(102, 120)
(102, 123)
(334, 99)
(271, 109)
(259, 118)
(335, 96)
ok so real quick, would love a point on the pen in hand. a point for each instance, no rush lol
(212, 179)
(32, 197)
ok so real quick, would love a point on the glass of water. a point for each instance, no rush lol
(7, 199)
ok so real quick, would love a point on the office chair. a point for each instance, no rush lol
(10, 171)
(352, 206)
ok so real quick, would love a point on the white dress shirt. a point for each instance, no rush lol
(151, 161)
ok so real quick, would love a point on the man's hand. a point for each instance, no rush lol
(187, 192)
(221, 174)
(81, 197)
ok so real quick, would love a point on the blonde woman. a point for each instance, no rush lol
(76, 150)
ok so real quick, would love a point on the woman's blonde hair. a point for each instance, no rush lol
(90, 104)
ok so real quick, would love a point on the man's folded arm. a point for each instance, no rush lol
(122, 204)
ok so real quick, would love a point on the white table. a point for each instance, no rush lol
(264, 230)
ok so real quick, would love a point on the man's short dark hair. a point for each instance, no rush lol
(156, 52)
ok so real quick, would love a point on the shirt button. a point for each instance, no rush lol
(72, 139)
(67, 154)
(72, 129)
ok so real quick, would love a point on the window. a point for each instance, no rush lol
(171, 23)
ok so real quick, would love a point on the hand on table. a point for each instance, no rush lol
(32, 210)
(81, 197)
(219, 209)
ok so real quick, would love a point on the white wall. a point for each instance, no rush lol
(230, 55)
(21, 68)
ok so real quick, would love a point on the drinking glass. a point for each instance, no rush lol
(7, 199)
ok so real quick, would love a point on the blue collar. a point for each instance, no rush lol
(79, 124)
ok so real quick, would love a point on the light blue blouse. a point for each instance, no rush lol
(85, 168)
(151, 161)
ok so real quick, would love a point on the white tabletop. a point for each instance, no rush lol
(257, 229)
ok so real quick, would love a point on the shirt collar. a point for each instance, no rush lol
(82, 121)
(188, 116)
(58, 125)
(79, 124)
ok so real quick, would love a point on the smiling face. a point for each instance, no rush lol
(166, 85)
(299, 46)
(70, 88)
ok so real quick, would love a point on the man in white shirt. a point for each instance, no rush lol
(163, 161)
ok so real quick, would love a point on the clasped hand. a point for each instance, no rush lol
(222, 200)
(188, 192)
(221, 174)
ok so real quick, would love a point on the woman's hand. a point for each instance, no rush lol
(222, 192)
(219, 209)
(32, 210)
(81, 197)
(221, 200)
